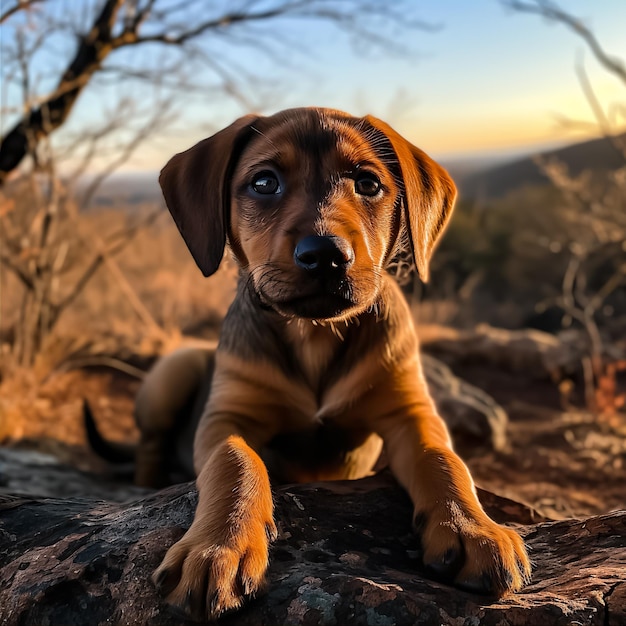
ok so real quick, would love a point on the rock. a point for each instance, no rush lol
(534, 353)
(30, 472)
(345, 555)
(475, 420)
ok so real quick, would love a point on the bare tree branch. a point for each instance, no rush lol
(130, 37)
(552, 11)
(10, 263)
(21, 5)
(40, 122)
(161, 111)
(618, 142)
(106, 251)
(121, 24)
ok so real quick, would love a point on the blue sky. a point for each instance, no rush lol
(509, 74)
(487, 82)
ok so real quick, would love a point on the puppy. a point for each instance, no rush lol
(317, 367)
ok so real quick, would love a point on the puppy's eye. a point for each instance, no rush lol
(367, 184)
(265, 183)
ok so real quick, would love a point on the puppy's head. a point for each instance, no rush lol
(313, 203)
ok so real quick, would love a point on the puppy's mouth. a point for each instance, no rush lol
(316, 306)
(321, 302)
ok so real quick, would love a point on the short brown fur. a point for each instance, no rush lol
(312, 376)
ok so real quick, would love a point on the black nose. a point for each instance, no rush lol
(323, 255)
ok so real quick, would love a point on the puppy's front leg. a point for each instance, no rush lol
(223, 556)
(461, 543)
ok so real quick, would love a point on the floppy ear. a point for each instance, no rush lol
(429, 196)
(195, 184)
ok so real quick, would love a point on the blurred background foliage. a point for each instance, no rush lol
(90, 263)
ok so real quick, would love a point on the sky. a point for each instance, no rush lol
(494, 80)
(487, 82)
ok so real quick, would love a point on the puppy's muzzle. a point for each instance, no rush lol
(323, 289)
(323, 256)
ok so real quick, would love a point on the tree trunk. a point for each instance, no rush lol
(41, 121)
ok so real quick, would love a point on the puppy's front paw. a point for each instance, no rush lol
(471, 551)
(205, 577)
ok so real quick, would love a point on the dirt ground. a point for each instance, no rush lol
(564, 463)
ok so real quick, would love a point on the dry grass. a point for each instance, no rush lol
(45, 401)
(160, 271)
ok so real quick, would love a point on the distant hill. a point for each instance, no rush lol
(126, 190)
(482, 178)
(597, 155)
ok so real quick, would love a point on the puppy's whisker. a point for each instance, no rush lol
(256, 130)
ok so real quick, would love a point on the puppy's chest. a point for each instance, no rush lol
(316, 349)
(334, 374)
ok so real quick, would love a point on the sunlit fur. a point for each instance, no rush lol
(311, 378)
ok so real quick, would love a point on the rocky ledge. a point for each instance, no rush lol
(345, 555)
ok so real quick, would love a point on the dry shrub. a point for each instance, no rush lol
(161, 272)
(156, 267)
(608, 397)
(45, 411)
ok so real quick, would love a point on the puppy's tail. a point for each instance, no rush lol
(110, 451)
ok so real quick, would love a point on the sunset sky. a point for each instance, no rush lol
(486, 82)
(497, 80)
(489, 81)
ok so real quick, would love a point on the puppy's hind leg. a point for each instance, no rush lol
(164, 412)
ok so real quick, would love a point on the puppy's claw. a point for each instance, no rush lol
(482, 585)
(246, 585)
(447, 565)
(215, 606)
(419, 522)
(164, 581)
(188, 604)
(271, 531)
(160, 578)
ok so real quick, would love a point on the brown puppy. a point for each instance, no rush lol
(317, 366)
